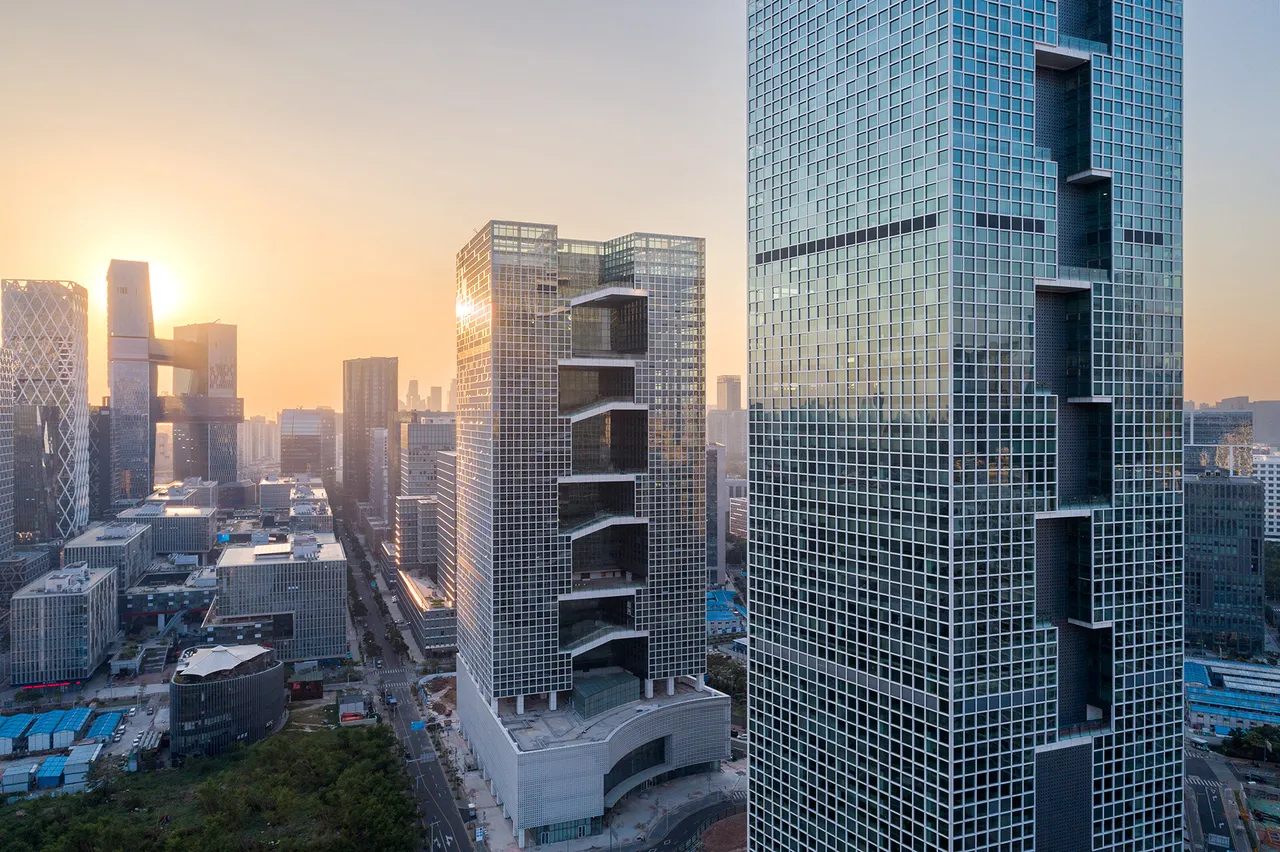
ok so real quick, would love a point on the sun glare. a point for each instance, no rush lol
(166, 293)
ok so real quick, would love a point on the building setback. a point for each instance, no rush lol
(1225, 588)
(581, 520)
(965, 352)
(62, 624)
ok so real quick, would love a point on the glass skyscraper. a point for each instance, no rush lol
(966, 425)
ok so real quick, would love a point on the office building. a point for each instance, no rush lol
(8, 384)
(99, 462)
(127, 547)
(436, 402)
(176, 529)
(224, 696)
(1217, 439)
(310, 516)
(193, 491)
(965, 351)
(309, 442)
(1224, 583)
(279, 492)
(369, 398)
(717, 514)
(61, 625)
(421, 438)
(300, 585)
(433, 622)
(209, 450)
(581, 521)
(259, 447)
(738, 513)
(453, 394)
(46, 327)
(204, 361)
(729, 393)
(378, 464)
(413, 400)
(416, 535)
(163, 594)
(1267, 470)
(446, 524)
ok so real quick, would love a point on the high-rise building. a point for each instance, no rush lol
(99, 462)
(580, 520)
(369, 398)
(1215, 438)
(379, 485)
(413, 400)
(965, 378)
(453, 394)
(204, 409)
(717, 515)
(8, 387)
(729, 393)
(436, 402)
(209, 450)
(308, 442)
(46, 326)
(259, 440)
(1225, 588)
(421, 439)
(446, 525)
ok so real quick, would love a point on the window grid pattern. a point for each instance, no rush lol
(901, 680)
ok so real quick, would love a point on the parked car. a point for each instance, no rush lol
(151, 711)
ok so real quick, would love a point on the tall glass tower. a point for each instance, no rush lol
(966, 392)
(46, 326)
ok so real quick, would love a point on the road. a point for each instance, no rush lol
(1212, 812)
(441, 817)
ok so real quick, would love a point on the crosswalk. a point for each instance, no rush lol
(738, 796)
(1203, 782)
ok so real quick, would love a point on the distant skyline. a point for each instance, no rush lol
(309, 171)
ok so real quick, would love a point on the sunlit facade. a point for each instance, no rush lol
(966, 411)
(46, 326)
(580, 520)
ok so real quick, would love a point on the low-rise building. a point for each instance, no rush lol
(302, 581)
(62, 624)
(224, 695)
(1222, 696)
(314, 516)
(177, 529)
(193, 491)
(1267, 469)
(724, 614)
(170, 592)
(432, 620)
(127, 546)
(1225, 590)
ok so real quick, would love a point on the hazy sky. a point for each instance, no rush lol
(307, 171)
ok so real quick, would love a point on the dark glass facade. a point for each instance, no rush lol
(369, 399)
(210, 713)
(1224, 556)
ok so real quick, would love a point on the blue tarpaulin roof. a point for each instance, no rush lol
(47, 723)
(16, 726)
(75, 719)
(105, 725)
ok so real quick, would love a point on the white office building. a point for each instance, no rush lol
(62, 624)
(581, 521)
(122, 545)
(176, 529)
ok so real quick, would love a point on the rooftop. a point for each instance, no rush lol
(540, 728)
(201, 578)
(207, 662)
(154, 509)
(300, 547)
(107, 535)
(75, 579)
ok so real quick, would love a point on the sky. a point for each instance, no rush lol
(308, 171)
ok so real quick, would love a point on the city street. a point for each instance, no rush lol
(1213, 818)
(441, 817)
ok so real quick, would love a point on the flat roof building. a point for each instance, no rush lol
(177, 529)
(302, 581)
(1224, 583)
(62, 624)
(127, 546)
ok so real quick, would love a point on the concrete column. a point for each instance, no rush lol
(701, 683)
(551, 700)
(671, 686)
(648, 687)
(493, 705)
(519, 705)
(520, 837)
(160, 621)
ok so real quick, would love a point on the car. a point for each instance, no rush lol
(151, 711)
(378, 663)
(133, 711)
